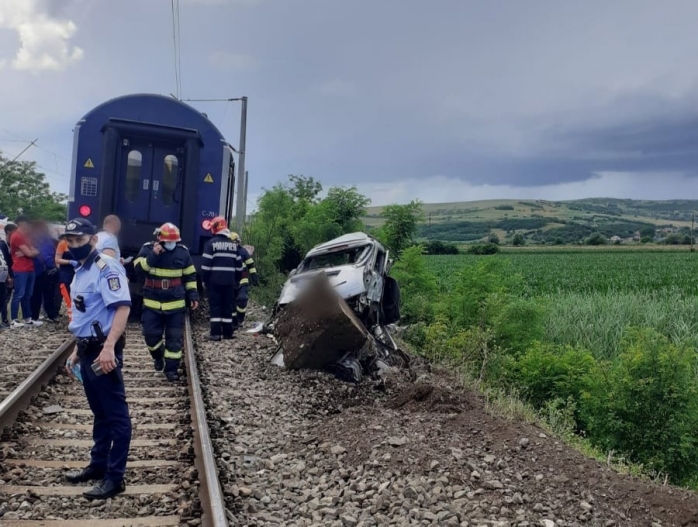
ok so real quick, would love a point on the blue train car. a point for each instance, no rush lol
(151, 159)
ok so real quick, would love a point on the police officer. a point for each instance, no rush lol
(221, 272)
(170, 283)
(249, 272)
(101, 298)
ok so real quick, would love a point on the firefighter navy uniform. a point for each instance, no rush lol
(221, 271)
(249, 272)
(170, 283)
(98, 288)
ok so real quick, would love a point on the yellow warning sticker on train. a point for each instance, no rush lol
(208, 178)
(89, 163)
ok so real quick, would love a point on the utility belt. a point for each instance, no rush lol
(88, 345)
(163, 284)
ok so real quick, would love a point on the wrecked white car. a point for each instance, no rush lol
(355, 267)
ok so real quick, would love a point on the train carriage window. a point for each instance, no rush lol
(133, 175)
(170, 170)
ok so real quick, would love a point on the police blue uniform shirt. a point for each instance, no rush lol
(101, 281)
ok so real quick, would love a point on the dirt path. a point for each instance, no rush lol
(300, 448)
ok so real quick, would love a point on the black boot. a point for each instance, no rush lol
(87, 474)
(105, 489)
(171, 367)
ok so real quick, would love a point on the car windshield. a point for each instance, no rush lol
(348, 256)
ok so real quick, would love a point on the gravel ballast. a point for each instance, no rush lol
(302, 448)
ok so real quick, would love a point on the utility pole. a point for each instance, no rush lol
(693, 220)
(244, 203)
(242, 175)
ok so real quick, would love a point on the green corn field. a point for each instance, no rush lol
(592, 297)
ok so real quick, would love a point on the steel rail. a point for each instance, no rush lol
(210, 492)
(21, 396)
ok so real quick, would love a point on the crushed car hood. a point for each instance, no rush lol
(347, 280)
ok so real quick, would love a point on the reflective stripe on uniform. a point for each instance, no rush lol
(141, 261)
(241, 309)
(190, 285)
(249, 262)
(164, 306)
(168, 273)
(216, 320)
(227, 320)
(245, 281)
(176, 355)
(189, 270)
(156, 347)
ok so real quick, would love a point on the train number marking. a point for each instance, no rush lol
(208, 178)
(208, 213)
(89, 163)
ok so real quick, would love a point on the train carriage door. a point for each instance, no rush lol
(166, 191)
(133, 191)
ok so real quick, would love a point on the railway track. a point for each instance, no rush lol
(46, 426)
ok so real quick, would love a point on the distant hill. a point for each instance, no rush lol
(549, 221)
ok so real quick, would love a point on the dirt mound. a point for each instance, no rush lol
(421, 397)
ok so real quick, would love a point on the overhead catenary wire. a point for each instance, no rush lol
(175, 32)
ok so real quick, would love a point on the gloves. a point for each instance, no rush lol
(254, 279)
(74, 263)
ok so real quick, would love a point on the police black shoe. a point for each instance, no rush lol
(172, 376)
(86, 474)
(159, 364)
(229, 337)
(215, 338)
(105, 489)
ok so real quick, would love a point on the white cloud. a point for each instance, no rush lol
(440, 189)
(44, 40)
(338, 88)
(227, 61)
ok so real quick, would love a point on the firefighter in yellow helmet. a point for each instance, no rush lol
(249, 272)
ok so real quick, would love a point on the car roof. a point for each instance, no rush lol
(352, 239)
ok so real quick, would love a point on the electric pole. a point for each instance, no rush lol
(242, 179)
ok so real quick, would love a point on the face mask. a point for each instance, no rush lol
(170, 245)
(82, 252)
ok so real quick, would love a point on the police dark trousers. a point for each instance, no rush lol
(221, 272)
(169, 283)
(106, 396)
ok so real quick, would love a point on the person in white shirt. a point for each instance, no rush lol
(107, 239)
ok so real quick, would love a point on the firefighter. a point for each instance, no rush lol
(221, 272)
(170, 284)
(249, 272)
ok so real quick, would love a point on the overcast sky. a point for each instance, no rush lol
(442, 100)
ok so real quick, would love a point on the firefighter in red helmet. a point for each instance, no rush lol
(170, 284)
(221, 271)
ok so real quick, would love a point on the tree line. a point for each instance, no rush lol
(24, 190)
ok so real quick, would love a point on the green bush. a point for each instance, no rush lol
(646, 405)
(483, 248)
(418, 286)
(518, 240)
(547, 372)
(596, 239)
(518, 324)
